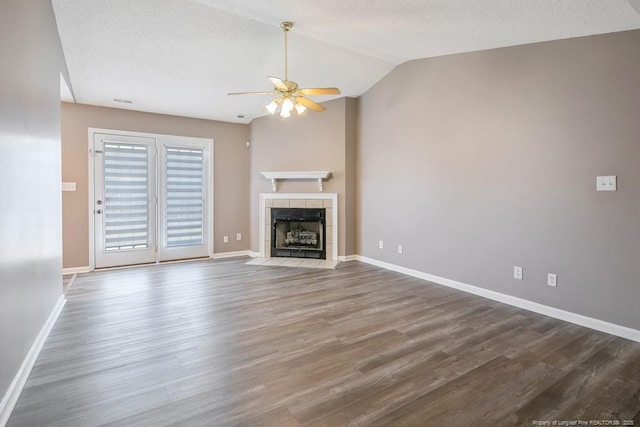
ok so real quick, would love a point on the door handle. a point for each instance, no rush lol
(99, 202)
(99, 211)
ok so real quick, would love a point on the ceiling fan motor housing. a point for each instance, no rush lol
(291, 85)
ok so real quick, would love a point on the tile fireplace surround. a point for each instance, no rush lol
(329, 201)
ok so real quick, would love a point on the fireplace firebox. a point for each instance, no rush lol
(298, 233)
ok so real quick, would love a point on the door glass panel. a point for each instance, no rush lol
(126, 196)
(184, 216)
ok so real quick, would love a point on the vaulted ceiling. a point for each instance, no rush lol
(181, 57)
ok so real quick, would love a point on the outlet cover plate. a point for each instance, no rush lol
(607, 183)
(517, 272)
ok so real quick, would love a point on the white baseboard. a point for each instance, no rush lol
(235, 254)
(13, 393)
(349, 258)
(254, 254)
(578, 319)
(75, 270)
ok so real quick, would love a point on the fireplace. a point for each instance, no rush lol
(298, 233)
(326, 201)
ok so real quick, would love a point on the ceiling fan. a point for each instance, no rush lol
(291, 97)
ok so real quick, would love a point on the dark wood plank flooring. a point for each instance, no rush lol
(220, 343)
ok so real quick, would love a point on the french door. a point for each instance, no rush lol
(182, 202)
(150, 199)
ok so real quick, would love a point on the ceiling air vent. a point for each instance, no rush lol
(122, 101)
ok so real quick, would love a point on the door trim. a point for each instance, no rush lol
(160, 139)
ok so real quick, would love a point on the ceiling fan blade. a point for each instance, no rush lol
(320, 91)
(278, 83)
(310, 104)
(252, 93)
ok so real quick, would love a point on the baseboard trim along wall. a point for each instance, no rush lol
(348, 258)
(13, 393)
(578, 319)
(75, 270)
(235, 254)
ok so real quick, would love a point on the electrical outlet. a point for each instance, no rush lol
(606, 183)
(517, 273)
(225, 239)
(552, 280)
(399, 249)
(380, 244)
(238, 236)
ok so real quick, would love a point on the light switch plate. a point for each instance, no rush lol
(606, 183)
(68, 186)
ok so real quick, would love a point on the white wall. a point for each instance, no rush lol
(30, 194)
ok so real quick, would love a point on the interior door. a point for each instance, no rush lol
(125, 200)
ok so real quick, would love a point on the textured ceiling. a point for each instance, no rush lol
(182, 56)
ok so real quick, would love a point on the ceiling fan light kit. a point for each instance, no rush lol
(289, 96)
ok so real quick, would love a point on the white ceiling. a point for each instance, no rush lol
(181, 57)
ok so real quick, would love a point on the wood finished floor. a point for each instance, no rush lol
(220, 343)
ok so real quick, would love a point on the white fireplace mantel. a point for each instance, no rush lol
(275, 176)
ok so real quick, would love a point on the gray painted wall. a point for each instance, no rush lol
(311, 142)
(30, 213)
(351, 143)
(479, 162)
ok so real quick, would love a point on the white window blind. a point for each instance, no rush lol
(126, 196)
(185, 196)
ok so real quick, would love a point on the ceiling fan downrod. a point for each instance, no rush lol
(286, 26)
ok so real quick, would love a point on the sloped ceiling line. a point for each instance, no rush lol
(635, 4)
(181, 57)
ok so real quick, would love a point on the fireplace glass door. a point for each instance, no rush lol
(298, 233)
